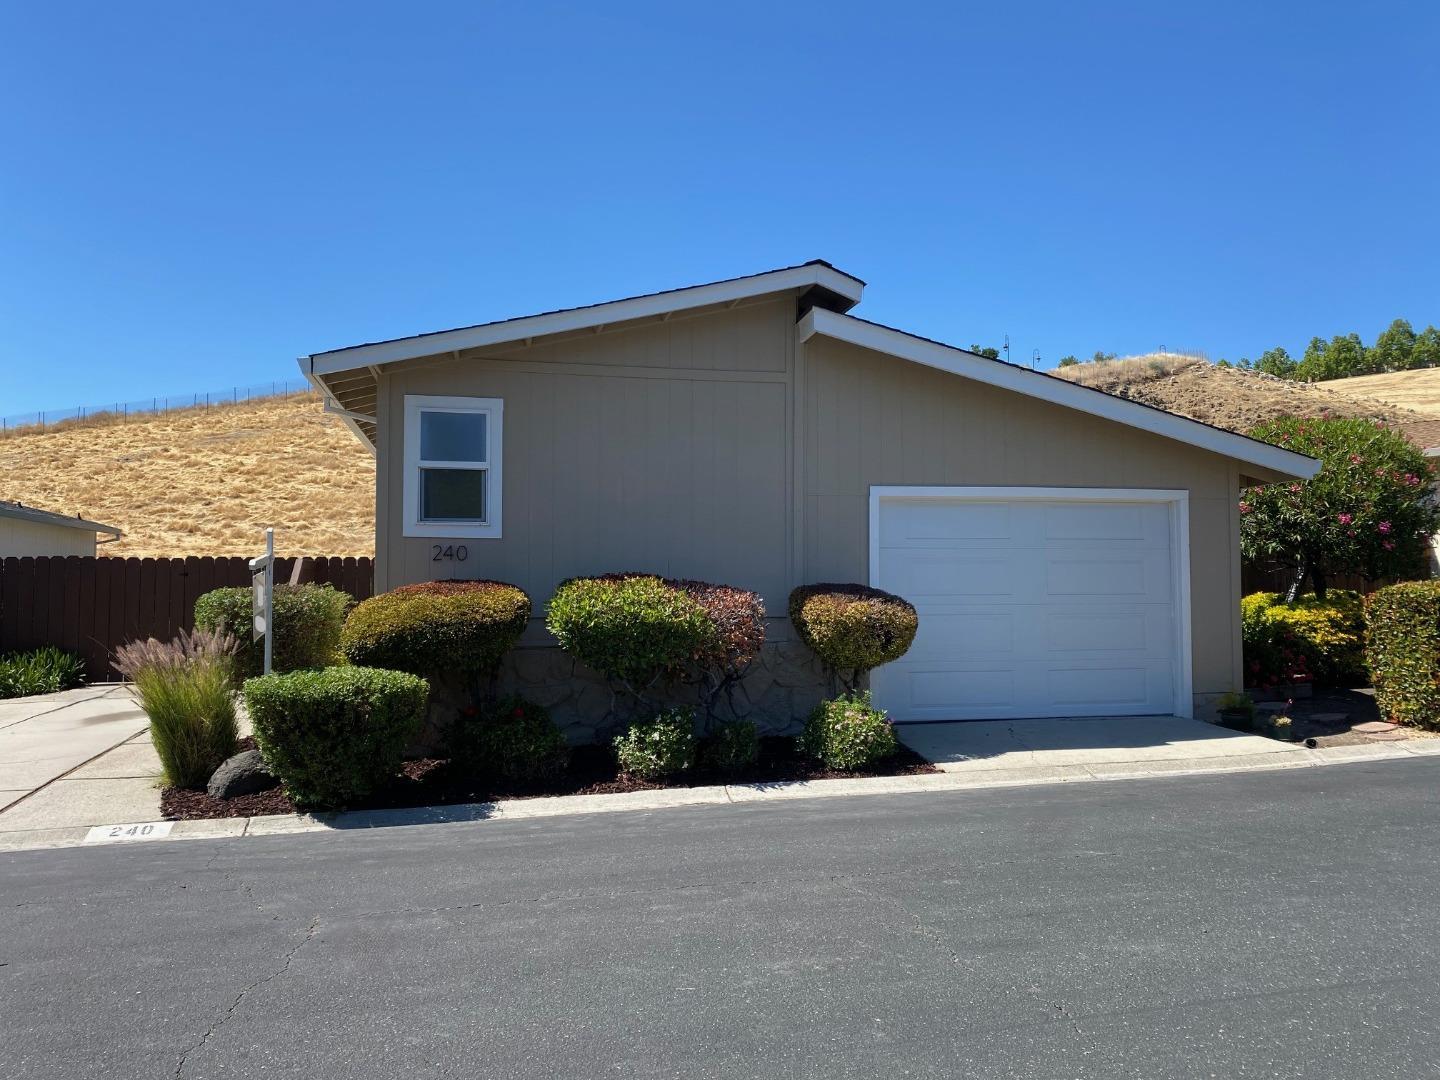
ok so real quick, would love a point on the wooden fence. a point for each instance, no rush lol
(90, 605)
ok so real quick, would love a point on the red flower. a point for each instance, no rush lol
(1383, 527)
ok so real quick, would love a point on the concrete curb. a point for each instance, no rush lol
(666, 798)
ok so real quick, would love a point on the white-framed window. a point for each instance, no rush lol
(453, 466)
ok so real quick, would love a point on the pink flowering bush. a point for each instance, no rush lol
(1367, 512)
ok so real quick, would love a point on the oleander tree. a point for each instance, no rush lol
(1368, 511)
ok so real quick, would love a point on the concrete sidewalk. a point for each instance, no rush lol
(48, 751)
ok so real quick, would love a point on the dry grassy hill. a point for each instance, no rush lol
(1225, 397)
(205, 481)
(1418, 390)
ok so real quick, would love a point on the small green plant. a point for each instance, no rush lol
(848, 733)
(732, 746)
(187, 689)
(513, 740)
(852, 628)
(438, 627)
(661, 747)
(308, 619)
(1235, 702)
(334, 735)
(1402, 649)
(46, 670)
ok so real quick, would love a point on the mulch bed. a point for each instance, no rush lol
(592, 771)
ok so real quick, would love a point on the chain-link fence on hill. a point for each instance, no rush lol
(120, 412)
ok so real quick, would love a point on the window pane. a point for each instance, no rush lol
(451, 436)
(452, 494)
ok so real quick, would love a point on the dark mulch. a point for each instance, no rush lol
(592, 771)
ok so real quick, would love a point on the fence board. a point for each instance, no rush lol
(92, 605)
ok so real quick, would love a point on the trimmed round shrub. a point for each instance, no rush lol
(513, 740)
(852, 628)
(732, 746)
(439, 626)
(660, 747)
(1402, 648)
(848, 733)
(1323, 640)
(334, 735)
(308, 619)
(635, 629)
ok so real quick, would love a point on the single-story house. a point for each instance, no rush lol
(27, 531)
(1070, 552)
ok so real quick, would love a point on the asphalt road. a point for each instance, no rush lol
(1256, 925)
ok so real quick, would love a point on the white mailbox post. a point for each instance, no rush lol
(262, 585)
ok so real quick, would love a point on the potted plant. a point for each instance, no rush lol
(1237, 711)
(1282, 728)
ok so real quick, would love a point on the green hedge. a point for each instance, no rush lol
(513, 740)
(732, 746)
(439, 626)
(308, 619)
(1402, 648)
(848, 733)
(1323, 640)
(852, 628)
(635, 629)
(334, 735)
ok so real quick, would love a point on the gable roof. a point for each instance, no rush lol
(1271, 460)
(21, 512)
(348, 376)
(1423, 434)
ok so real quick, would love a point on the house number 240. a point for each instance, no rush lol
(449, 552)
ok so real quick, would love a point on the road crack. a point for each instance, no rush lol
(224, 1018)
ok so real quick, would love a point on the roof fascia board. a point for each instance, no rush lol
(1055, 390)
(488, 334)
(46, 517)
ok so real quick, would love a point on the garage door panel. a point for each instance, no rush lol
(920, 574)
(1035, 608)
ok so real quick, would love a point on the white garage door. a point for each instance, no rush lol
(1030, 606)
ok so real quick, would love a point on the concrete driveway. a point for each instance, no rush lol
(49, 772)
(1091, 742)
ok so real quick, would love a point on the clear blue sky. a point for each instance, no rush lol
(194, 193)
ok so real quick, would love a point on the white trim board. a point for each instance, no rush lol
(582, 318)
(885, 339)
(1178, 500)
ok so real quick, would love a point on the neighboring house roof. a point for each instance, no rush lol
(22, 512)
(349, 377)
(1424, 434)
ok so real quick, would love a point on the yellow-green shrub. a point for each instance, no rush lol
(437, 627)
(1402, 647)
(1314, 639)
(852, 628)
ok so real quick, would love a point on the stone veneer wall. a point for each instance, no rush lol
(783, 685)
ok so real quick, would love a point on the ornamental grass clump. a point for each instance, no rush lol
(659, 748)
(187, 689)
(307, 619)
(1402, 649)
(848, 733)
(334, 735)
(437, 628)
(852, 628)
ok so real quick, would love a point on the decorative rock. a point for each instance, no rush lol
(1371, 727)
(1386, 736)
(243, 774)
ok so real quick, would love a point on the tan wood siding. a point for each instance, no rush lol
(870, 419)
(615, 461)
(19, 539)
